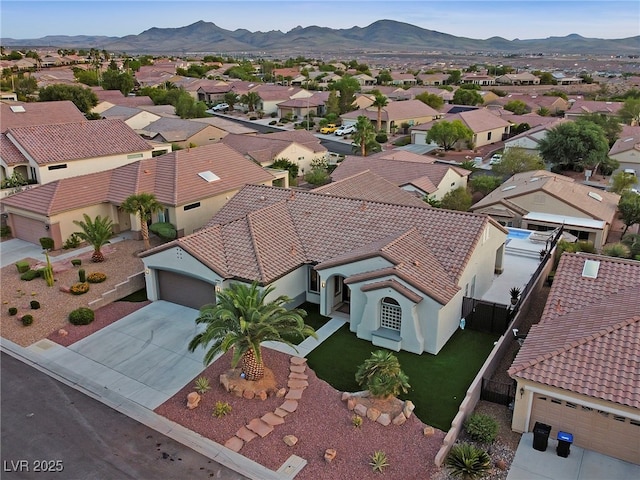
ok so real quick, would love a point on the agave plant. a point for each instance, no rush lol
(467, 461)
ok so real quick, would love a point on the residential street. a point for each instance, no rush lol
(50, 427)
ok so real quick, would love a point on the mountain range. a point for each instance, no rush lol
(380, 36)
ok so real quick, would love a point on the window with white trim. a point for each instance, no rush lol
(390, 314)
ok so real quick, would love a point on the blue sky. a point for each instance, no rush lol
(480, 19)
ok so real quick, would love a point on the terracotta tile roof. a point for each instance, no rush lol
(120, 112)
(399, 167)
(588, 339)
(366, 185)
(9, 152)
(77, 141)
(38, 113)
(175, 129)
(397, 286)
(396, 111)
(627, 142)
(266, 148)
(558, 186)
(478, 120)
(173, 178)
(268, 231)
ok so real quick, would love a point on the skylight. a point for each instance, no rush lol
(595, 196)
(534, 179)
(590, 269)
(209, 176)
(510, 187)
(17, 109)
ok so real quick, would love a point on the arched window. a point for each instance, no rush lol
(390, 314)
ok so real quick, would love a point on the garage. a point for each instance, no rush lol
(614, 435)
(184, 290)
(28, 229)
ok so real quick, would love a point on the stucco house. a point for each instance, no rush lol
(136, 118)
(487, 128)
(191, 185)
(184, 133)
(579, 107)
(541, 200)
(530, 140)
(524, 78)
(44, 153)
(578, 370)
(297, 146)
(412, 112)
(417, 174)
(398, 272)
(626, 150)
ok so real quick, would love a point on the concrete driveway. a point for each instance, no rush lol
(142, 357)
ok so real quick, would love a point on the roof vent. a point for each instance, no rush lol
(209, 176)
(534, 179)
(510, 187)
(590, 269)
(17, 109)
(595, 196)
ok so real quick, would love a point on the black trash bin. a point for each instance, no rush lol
(564, 444)
(541, 433)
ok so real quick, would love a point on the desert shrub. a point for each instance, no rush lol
(76, 262)
(378, 461)
(468, 461)
(35, 305)
(29, 275)
(27, 320)
(616, 250)
(46, 243)
(402, 141)
(481, 427)
(164, 230)
(96, 277)
(221, 409)
(274, 114)
(22, 266)
(13, 311)
(81, 316)
(5, 231)
(356, 421)
(273, 122)
(382, 137)
(79, 288)
(253, 118)
(73, 241)
(82, 275)
(202, 385)
(382, 376)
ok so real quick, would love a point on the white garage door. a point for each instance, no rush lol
(28, 229)
(184, 290)
(613, 435)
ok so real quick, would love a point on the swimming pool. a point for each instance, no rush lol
(518, 233)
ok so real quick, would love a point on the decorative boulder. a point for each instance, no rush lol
(330, 454)
(193, 400)
(62, 332)
(290, 440)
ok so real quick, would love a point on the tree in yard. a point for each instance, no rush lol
(347, 86)
(364, 138)
(382, 376)
(458, 199)
(543, 112)
(251, 100)
(575, 145)
(630, 111)
(384, 77)
(242, 320)
(517, 160)
(286, 164)
(454, 77)
(447, 134)
(231, 99)
(96, 232)
(622, 182)
(434, 101)
(115, 80)
(484, 184)
(319, 174)
(463, 96)
(518, 107)
(629, 208)
(188, 107)
(610, 125)
(82, 97)
(144, 205)
(546, 78)
(380, 102)
(333, 104)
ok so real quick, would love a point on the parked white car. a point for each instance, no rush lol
(345, 130)
(221, 107)
(496, 158)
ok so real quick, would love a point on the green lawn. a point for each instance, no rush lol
(313, 319)
(438, 382)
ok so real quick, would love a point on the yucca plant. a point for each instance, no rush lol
(356, 421)
(379, 461)
(382, 376)
(467, 461)
(97, 232)
(202, 385)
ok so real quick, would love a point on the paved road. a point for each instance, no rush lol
(48, 425)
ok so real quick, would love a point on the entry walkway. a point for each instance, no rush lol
(581, 464)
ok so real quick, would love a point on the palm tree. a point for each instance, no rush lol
(144, 205)
(251, 100)
(96, 232)
(231, 98)
(382, 376)
(364, 137)
(242, 320)
(380, 102)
